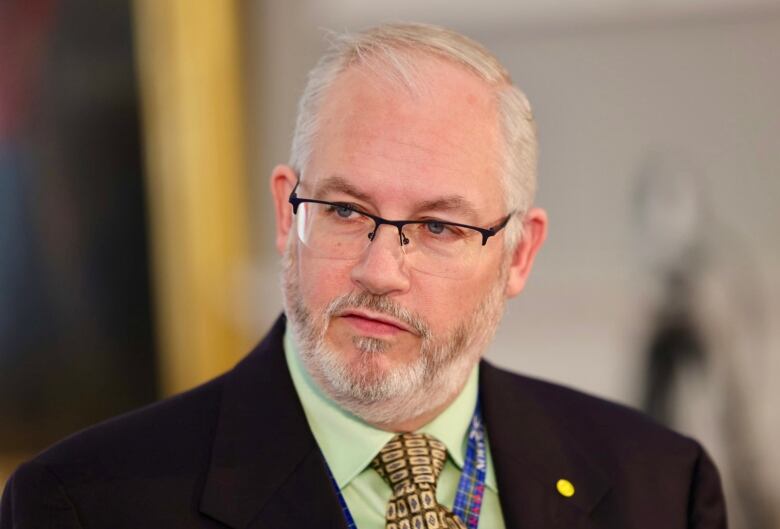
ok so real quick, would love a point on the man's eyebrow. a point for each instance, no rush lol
(337, 184)
(450, 203)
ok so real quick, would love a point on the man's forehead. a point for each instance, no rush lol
(430, 81)
(361, 99)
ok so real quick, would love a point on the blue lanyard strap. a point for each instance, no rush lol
(471, 487)
(342, 502)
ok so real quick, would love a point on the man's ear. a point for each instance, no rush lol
(283, 180)
(534, 234)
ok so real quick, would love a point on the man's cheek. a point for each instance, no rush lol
(323, 280)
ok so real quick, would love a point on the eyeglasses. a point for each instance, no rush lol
(339, 230)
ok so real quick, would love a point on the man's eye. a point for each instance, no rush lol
(437, 228)
(342, 210)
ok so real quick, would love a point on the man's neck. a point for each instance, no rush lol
(415, 423)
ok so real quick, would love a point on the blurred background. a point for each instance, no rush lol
(136, 246)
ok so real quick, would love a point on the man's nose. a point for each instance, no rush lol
(381, 269)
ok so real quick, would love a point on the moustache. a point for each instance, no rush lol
(381, 305)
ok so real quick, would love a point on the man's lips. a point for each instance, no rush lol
(374, 323)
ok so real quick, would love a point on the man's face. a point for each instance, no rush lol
(373, 326)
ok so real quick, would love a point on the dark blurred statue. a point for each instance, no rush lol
(704, 354)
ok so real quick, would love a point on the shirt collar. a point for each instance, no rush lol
(349, 444)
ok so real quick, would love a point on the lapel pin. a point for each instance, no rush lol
(565, 488)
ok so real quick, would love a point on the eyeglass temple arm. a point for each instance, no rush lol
(488, 233)
(294, 200)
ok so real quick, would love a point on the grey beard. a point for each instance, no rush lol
(368, 345)
(382, 396)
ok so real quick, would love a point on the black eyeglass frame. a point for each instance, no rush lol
(486, 233)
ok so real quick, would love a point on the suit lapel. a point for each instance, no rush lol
(266, 469)
(531, 452)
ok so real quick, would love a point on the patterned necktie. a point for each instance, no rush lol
(411, 463)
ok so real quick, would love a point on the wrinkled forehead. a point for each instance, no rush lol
(439, 139)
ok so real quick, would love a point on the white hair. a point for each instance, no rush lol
(389, 50)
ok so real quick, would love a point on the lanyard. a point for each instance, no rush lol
(471, 487)
(342, 503)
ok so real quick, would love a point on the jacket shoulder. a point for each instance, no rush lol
(618, 456)
(49, 506)
(605, 429)
(171, 435)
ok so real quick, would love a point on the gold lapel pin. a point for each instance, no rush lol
(565, 488)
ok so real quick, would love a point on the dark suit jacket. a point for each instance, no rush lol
(237, 452)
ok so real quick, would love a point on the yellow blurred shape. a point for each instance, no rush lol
(190, 80)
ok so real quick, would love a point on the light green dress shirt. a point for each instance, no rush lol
(349, 444)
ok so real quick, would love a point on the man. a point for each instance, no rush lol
(405, 219)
